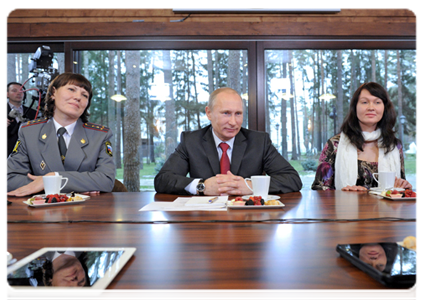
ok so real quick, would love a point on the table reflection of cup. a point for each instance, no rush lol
(260, 184)
(53, 184)
(386, 179)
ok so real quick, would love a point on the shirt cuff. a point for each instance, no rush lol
(192, 187)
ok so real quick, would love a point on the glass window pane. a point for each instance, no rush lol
(166, 93)
(308, 92)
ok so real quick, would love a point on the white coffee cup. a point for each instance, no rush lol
(386, 179)
(261, 185)
(53, 184)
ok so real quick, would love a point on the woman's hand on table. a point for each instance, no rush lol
(402, 183)
(37, 185)
(355, 188)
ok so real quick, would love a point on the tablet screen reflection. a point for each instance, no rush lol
(65, 269)
(389, 258)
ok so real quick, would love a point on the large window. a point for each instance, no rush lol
(165, 92)
(298, 95)
(308, 92)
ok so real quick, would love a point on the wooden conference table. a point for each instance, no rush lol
(289, 248)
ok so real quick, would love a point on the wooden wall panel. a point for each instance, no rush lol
(76, 24)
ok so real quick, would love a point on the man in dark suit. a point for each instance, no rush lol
(15, 97)
(249, 152)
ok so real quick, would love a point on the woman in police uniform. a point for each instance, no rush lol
(86, 160)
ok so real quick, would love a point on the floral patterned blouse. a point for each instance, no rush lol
(325, 174)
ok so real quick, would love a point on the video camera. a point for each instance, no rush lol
(42, 66)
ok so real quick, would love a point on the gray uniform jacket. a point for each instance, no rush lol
(253, 154)
(89, 165)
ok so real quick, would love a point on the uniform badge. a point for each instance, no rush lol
(109, 148)
(44, 136)
(42, 165)
(82, 141)
(15, 150)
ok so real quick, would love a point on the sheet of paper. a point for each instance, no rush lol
(206, 201)
(179, 205)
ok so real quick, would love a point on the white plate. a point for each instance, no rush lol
(255, 206)
(269, 197)
(399, 199)
(84, 197)
(376, 189)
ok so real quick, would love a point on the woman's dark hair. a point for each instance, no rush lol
(351, 125)
(47, 272)
(62, 80)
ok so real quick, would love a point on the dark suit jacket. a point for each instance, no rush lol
(13, 128)
(253, 154)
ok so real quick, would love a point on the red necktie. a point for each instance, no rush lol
(225, 165)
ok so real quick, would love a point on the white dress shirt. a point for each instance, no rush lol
(69, 131)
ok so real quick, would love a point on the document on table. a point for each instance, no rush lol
(194, 203)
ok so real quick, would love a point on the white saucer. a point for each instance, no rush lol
(377, 189)
(269, 197)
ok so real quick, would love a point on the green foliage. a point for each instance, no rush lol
(309, 165)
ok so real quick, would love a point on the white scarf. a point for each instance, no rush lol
(346, 168)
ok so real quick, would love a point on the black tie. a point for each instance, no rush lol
(62, 144)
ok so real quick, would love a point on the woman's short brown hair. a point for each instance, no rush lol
(62, 80)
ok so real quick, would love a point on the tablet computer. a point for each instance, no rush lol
(389, 263)
(92, 268)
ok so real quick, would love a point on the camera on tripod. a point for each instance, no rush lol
(42, 66)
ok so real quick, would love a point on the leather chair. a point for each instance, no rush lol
(119, 187)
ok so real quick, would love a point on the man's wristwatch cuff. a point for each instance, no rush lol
(201, 187)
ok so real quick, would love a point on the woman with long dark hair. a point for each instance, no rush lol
(366, 145)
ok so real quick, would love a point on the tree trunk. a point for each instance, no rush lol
(374, 65)
(210, 77)
(195, 89)
(306, 127)
(111, 103)
(25, 67)
(244, 86)
(294, 155)
(11, 68)
(131, 175)
(284, 121)
(323, 131)
(234, 71)
(118, 128)
(401, 129)
(385, 83)
(353, 87)
(340, 92)
(171, 127)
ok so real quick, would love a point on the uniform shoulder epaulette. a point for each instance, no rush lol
(35, 122)
(94, 126)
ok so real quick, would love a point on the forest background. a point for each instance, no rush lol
(166, 91)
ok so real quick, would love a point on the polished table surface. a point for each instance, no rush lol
(289, 248)
(306, 204)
